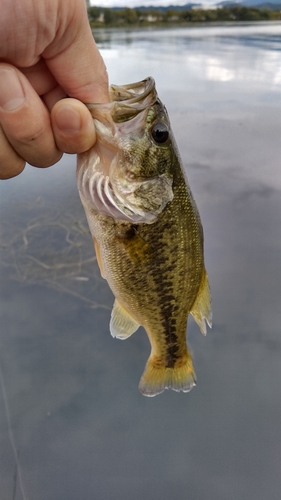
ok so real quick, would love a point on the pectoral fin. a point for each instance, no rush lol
(122, 325)
(202, 309)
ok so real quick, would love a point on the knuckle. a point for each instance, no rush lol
(44, 159)
(11, 163)
(27, 127)
(28, 136)
(36, 145)
(9, 169)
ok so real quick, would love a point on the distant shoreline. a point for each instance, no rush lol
(188, 25)
(100, 17)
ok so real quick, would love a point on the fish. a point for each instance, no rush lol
(146, 230)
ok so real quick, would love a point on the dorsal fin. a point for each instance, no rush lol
(202, 308)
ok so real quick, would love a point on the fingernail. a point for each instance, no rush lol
(11, 91)
(68, 120)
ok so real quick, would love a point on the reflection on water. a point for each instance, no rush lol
(72, 423)
(202, 54)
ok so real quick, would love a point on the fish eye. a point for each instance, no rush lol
(160, 132)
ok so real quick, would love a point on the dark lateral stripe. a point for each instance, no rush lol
(171, 355)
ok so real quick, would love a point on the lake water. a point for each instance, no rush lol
(72, 422)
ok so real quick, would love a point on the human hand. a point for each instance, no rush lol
(47, 52)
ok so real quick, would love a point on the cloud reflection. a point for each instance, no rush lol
(237, 55)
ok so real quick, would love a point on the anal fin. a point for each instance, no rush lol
(202, 308)
(122, 325)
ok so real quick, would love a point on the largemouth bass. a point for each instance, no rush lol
(146, 230)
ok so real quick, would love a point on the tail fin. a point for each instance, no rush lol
(157, 377)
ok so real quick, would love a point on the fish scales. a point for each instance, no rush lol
(153, 261)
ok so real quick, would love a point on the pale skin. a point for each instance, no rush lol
(49, 67)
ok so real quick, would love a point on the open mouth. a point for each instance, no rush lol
(126, 101)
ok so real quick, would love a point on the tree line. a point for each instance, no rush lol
(99, 16)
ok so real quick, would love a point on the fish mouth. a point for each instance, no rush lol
(126, 101)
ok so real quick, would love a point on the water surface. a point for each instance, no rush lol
(72, 422)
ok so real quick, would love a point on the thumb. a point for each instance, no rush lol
(76, 62)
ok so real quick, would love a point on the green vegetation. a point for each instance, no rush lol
(99, 16)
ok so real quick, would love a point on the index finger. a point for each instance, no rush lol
(76, 63)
